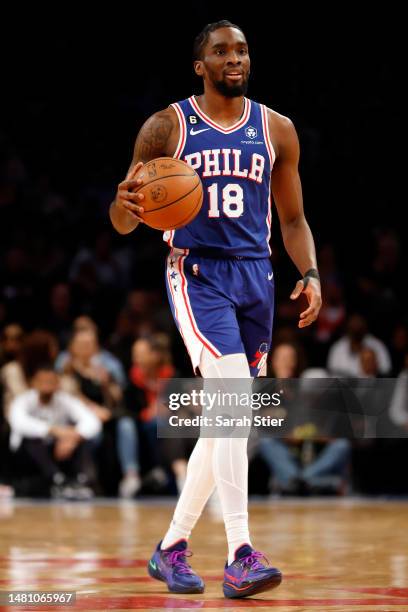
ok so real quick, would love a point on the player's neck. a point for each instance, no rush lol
(222, 110)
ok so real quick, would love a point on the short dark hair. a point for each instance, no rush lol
(202, 38)
(44, 367)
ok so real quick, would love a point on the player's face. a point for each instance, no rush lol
(225, 64)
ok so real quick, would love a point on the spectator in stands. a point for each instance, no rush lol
(398, 410)
(344, 355)
(373, 398)
(5, 489)
(37, 347)
(287, 360)
(369, 363)
(324, 471)
(100, 356)
(50, 428)
(152, 365)
(86, 377)
(399, 347)
(11, 338)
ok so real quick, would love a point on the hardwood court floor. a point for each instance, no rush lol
(347, 555)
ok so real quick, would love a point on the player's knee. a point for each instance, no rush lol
(227, 366)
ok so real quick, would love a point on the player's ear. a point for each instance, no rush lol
(198, 68)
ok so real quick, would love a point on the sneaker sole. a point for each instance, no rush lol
(176, 589)
(233, 592)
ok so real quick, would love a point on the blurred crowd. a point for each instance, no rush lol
(86, 332)
(86, 335)
(76, 422)
(79, 417)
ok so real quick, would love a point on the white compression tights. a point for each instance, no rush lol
(220, 462)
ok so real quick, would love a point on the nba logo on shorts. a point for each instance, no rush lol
(195, 269)
(251, 132)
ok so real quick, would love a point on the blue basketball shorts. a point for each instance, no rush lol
(224, 305)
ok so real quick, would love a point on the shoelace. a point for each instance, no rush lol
(177, 558)
(251, 561)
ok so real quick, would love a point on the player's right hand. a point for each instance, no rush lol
(125, 198)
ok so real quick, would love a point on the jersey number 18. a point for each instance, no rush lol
(232, 200)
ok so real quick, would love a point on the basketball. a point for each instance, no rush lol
(173, 193)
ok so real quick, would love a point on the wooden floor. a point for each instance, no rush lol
(336, 556)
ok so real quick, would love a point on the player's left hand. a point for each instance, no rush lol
(314, 298)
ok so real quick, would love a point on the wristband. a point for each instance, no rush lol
(312, 273)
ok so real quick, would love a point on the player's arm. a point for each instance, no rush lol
(158, 137)
(296, 233)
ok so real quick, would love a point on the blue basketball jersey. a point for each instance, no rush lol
(235, 166)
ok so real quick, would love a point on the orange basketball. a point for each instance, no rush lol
(173, 193)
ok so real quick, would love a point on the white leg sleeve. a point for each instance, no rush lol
(220, 461)
(230, 460)
(229, 366)
(197, 489)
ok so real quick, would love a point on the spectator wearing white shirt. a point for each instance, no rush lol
(344, 356)
(398, 409)
(51, 428)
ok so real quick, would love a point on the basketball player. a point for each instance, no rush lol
(219, 277)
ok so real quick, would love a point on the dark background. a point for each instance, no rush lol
(75, 91)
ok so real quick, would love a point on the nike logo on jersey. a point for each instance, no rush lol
(194, 132)
(270, 276)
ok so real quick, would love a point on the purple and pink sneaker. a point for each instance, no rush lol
(170, 566)
(247, 575)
